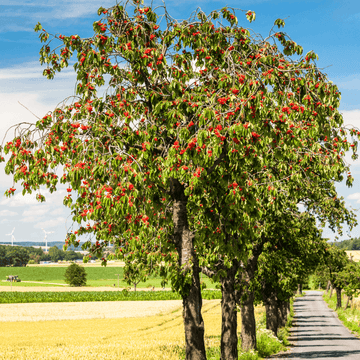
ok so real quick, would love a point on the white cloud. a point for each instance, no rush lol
(351, 117)
(50, 223)
(18, 199)
(3, 221)
(31, 72)
(31, 219)
(58, 211)
(355, 196)
(45, 10)
(8, 213)
(38, 210)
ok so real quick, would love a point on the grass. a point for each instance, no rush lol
(349, 317)
(96, 277)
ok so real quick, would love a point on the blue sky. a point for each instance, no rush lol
(330, 28)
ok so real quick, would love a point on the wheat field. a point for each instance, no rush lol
(141, 337)
(355, 254)
(154, 337)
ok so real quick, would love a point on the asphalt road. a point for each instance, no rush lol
(318, 333)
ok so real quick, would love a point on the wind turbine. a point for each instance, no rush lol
(46, 234)
(12, 237)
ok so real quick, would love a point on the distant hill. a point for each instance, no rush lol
(58, 244)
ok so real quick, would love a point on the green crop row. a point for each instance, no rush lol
(80, 296)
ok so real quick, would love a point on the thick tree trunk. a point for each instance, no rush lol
(272, 313)
(248, 326)
(229, 338)
(331, 291)
(300, 289)
(283, 313)
(338, 297)
(192, 301)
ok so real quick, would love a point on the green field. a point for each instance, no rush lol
(84, 296)
(96, 277)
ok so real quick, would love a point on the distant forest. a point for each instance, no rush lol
(351, 244)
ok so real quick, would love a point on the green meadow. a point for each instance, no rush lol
(96, 277)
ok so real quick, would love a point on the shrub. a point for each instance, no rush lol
(75, 275)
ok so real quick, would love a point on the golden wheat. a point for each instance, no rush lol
(85, 310)
(151, 338)
(354, 254)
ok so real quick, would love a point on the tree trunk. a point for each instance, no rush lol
(300, 289)
(288, 308)
(338, 297)
(331, 291)
(191, 293)
(248, 325)
(347, 302)
(328, 287)
(229, 338)
(283, 313)
(272, 313)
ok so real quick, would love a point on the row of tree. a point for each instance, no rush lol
(339, 272)
(196, 159)
(21, 256)
(351, 244)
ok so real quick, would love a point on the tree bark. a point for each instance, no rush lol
(272, 313)
(328, 287)
(248, 325)
(300, 289)
(338, 297)
(347, 302)
(229, 338)
(248, 328)
(188, 262)
(331, 291)
(283, 313)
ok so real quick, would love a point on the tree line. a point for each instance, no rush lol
(21, 256)
(196, 159)
(351, 244)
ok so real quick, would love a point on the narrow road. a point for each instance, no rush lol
(318, 333)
